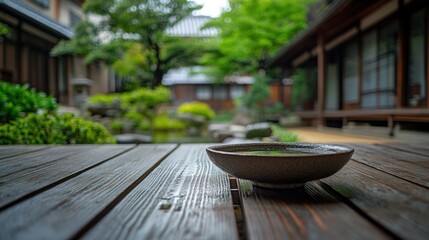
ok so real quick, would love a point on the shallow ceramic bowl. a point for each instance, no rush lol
(280, 165)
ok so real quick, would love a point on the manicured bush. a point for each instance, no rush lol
(197, 109)
(283, 135)
(145, 96)
(48, 128)
(164, 123)
(19, 100)
(142, 97)
(103, 99)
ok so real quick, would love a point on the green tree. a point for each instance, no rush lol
(4, 31)
(252, 30)
(128, 27)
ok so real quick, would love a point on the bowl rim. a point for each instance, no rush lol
(342, 149)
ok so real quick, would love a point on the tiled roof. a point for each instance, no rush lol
(196, 75)
(36, 18)
(185, 75)
(191, 27)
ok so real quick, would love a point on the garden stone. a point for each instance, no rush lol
(290, 121)
(258, 130)
(133, 138)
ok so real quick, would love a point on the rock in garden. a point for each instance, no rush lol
(258, 130)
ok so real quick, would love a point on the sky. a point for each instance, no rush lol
(211, 8)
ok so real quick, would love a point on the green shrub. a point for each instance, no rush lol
(283, 135)
(53, 129)
(145, 96)
(19, 100)
(144, 125)
(164, 123)
(197, 109)
(116, 126)
(103, 99)
(225, 116)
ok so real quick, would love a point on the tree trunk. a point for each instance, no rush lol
(158, 74)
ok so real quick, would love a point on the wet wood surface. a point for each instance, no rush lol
(173, 191)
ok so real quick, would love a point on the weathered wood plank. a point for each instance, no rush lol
(309, 213)
(21, 177)
(398, 205)
(33, 159)
(10, 151)
(185, 197)
(415, 148)
(60, 212)
(406, 165)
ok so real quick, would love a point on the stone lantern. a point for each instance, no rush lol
(81, 91)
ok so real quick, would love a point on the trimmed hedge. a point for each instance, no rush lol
(19, 100)
(197, 109)
(49, 128)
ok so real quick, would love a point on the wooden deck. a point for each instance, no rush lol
(175, 192)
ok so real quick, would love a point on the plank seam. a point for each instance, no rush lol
(56, 183)
(388, 173)
(98, 217)
(238, 207)
(401, 149)
(24, 153)
(358, 210)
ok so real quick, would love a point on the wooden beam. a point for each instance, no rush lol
(402, 58)
(320, 78)
(427, 62)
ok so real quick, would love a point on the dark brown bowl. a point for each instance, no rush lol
(280, 165)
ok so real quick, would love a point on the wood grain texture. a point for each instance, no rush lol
(309, 213)
(406, 165)
(398, 205)
(60, 212)
(20, 176)
(415, 148)
(185, 197)
(14, 150)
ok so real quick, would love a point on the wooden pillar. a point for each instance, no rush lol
(402, 57)
(320, 79)
(69, 76)
(427, 63)
(57, 7)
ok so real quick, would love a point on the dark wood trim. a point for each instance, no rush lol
(320, 77)
(401, 70)
(427, 58)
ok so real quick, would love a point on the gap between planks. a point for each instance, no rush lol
(355, 208)
(238, 207)
(62, 180)
(119, 198)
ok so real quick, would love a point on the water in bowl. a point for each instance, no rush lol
(285, 152)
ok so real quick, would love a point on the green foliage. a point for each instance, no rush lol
(255, 98)
(4, 30)
(146, 97)
(19, 100)
(103, 99)
(142, 97)
(197, 109)
(117, 126)
(137, 46)
(252, 30)
(87, 38)
(53, 129)
(283, 135)
(301, 91)
(164, 123)
(225, 116)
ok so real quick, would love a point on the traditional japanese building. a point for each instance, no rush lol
(36, 26)
(362, 61)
